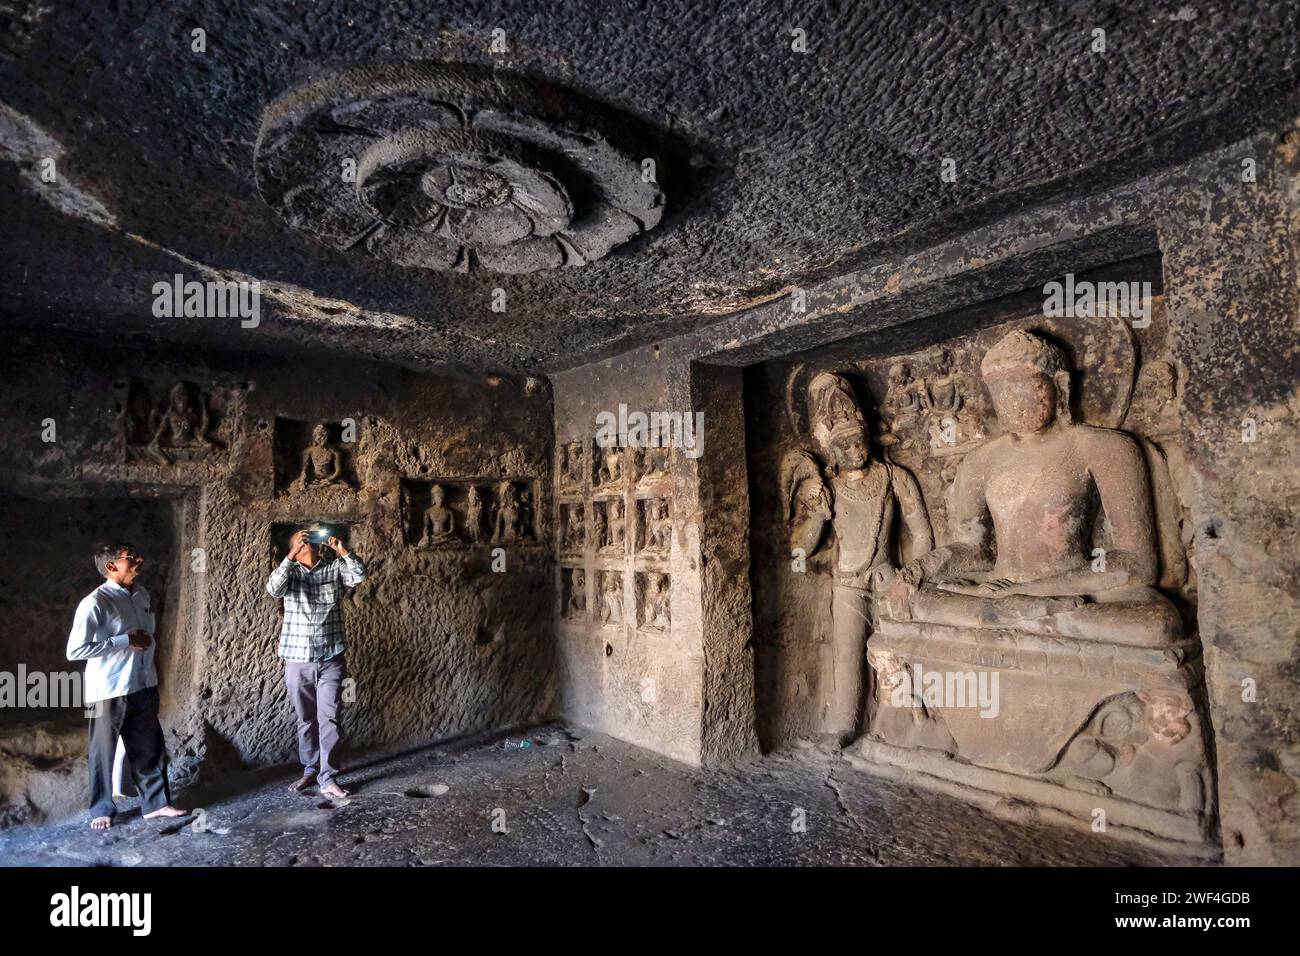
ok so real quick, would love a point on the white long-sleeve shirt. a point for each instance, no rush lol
(105, 617)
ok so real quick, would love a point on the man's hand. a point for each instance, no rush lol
(338, 546)
(297, 543)
(138, 640)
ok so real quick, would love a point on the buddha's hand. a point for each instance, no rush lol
(898, 597)
(998, 588)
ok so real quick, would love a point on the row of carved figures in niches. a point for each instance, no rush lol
(604, 523)
(606, 467)
(193, 424)
(443, 513)
(651, 592)
(942, 411)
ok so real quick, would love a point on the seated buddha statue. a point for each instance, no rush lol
(1051, 523)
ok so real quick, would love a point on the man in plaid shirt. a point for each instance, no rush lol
(311, 645)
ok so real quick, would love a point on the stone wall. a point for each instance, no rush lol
(1232, 272)
(679, 683)
(446, 636)
(1222, 233)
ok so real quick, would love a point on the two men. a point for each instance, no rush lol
(311, 645)
(113, 633)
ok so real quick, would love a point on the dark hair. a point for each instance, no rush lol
(105, 553)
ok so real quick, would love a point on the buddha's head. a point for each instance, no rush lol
(320, 436)
(438, 495)
(181, 400)
(1029, 382)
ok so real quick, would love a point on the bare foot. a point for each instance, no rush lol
(167, 811)
(333, 790)
(101, 823)
(303, 782)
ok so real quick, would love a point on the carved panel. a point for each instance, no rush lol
(609, 597)
(572, 466)
(458, 512)
(312, 458)
(573, 528)
(183, 423)
(453, 167)
(609, 526)
(573, 594)
(654, 528)
(653, 599)
(607, 465)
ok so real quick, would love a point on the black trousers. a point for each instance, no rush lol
(134, 718)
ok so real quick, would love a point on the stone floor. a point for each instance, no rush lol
(571, 798)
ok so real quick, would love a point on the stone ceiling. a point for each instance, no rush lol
(773, 168)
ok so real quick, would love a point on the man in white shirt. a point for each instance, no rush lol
(113, 634)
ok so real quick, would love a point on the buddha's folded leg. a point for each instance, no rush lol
(1017, 612)
(1140, 617)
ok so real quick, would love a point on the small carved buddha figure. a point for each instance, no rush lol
(574, 532)
(902, 405)
(1051, 523)
(439, 520)
(652, 462)
(656, 601)
(659, 528)
(611, 599)
(577, 605)
(617, 534)
(474, 514)
(321, 464)
(183, 424)
(575, 463)
(599, 525)
(942, 394)
(525, 515)
(509, 514)
(611, 466)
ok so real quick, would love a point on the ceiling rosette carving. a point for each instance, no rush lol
(454, 167)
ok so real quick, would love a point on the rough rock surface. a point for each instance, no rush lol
(440, 643)
(573, 798)
(783, 167)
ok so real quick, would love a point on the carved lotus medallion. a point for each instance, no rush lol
(453, 167)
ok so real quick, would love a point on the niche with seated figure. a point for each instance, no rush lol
(315, 459)
(460, 512)
(175, 423)
(996, 523)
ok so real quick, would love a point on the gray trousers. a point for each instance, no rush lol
(314, 692)
(133, 718)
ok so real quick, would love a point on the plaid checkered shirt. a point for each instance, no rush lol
(313, 606)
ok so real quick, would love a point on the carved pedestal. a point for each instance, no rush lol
(1065, 725)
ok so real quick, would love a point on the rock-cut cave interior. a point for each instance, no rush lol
(662, 424)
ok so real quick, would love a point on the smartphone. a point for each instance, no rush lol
(319, 537)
